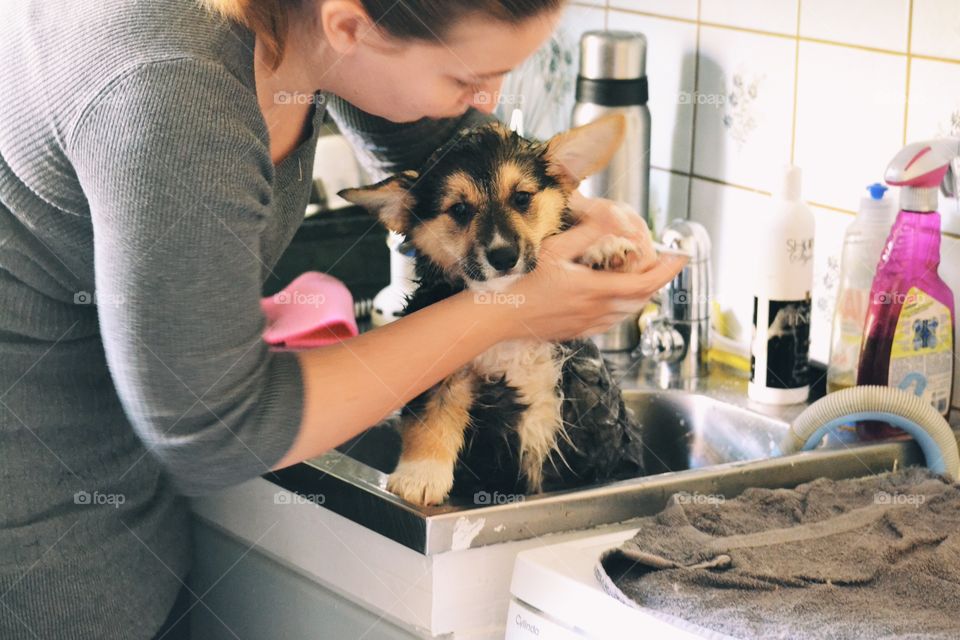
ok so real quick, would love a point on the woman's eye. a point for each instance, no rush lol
(521, 199)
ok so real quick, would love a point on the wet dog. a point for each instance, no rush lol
(526, 415)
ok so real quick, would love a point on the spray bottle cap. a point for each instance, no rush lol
(877, 190)
(876, 208)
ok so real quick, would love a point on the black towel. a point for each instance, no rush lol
(874, 557)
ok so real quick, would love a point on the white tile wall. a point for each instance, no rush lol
(776, 16)
(581, 17)
(870, 23)
(936, 28)
(834, 98)
(850, 108)
(745, 105)
(668, 197)
(828, 242)
(685, 9)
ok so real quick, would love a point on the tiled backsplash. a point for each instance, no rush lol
(740, 87)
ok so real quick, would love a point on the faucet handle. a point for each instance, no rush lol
(660, 341)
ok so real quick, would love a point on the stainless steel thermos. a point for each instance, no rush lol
(612, 79)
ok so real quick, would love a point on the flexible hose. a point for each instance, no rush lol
(904, 410)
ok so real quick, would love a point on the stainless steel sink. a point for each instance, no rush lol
(707, 441)
(681, 431)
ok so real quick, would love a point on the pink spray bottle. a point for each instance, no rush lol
(909, 329)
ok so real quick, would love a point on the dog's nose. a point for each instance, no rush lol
(503, 258)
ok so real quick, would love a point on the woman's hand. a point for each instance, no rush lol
(621, 220)
(561, 299)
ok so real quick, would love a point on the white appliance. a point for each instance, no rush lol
(555, 596)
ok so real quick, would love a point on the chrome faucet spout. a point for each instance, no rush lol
(674, 342)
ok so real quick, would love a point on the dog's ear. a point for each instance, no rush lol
(575, 154)
(390, 200)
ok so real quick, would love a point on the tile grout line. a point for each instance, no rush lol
(796, 90)
(922, 56)
(775, 34)
(693, 123)
(856, 47)
(757, 190)
(906, 95)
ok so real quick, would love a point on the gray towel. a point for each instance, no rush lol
(874, 557)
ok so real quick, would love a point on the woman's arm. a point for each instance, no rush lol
(353, 385)
(349, 387)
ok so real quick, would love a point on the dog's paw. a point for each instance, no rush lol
(423, 482)
(612, 253)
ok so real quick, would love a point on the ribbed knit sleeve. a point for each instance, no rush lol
(385, 147)
(174, 161)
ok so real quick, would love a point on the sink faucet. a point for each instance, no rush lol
(674, 342)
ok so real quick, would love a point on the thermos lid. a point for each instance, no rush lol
(613, 55)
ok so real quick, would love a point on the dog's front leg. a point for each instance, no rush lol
(432, 439)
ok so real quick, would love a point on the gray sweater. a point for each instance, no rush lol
(140, 214)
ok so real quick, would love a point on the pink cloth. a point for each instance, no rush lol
(314, 310)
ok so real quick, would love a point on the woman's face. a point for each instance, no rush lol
(404, 81)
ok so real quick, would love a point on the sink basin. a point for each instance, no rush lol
(709, 441)
(681, 431)
(689, 431)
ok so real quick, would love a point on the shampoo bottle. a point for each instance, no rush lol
(779, 350)
(909, 330)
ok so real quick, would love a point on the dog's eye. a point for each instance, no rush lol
(521, 199)
(460, 211)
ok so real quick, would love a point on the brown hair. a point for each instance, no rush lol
(404, 19)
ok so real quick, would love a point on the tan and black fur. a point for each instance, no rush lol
(520, 417)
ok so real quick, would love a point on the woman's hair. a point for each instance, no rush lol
(404, 19)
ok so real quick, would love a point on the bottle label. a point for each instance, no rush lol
(849, 317)
(781, 343)
(921, 358)
(800, 250)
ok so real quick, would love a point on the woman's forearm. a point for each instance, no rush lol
(352, 386)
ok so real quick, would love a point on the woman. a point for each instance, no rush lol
(154, 163)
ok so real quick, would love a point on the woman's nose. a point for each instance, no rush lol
(485, 98)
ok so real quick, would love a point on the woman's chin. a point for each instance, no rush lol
(400, 118)
(406, 117)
